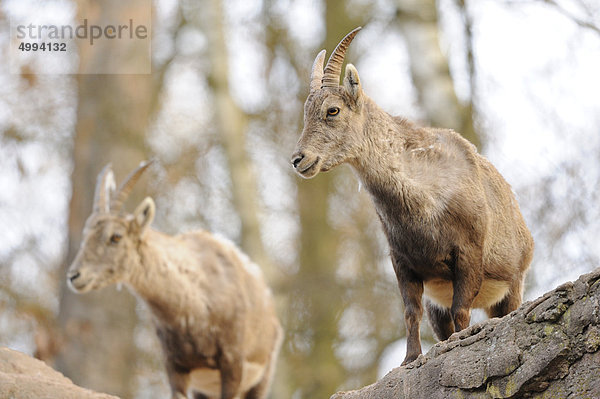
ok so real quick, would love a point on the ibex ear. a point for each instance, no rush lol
(144, 214)
(352, 82)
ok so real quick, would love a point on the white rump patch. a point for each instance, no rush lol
(208, 381)
(441, 292)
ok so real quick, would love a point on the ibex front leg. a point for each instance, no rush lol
(468, 276)
(179, 381)
(411, 289)
(230, 365)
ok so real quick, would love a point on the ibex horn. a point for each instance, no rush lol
(125, 188)
(331, 76)
(105, 183)
(316, 75)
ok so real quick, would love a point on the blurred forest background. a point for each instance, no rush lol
(221, 113)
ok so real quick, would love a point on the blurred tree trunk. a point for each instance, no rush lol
(99, 351)
(429, 68)
(315, 299)
(232, 125)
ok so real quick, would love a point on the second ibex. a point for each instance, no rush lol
(213, 313)
(454, 227)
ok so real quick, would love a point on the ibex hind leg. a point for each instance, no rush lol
(261, 389)
(440, 320)
(510, 302)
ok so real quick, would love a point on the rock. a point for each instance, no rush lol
(23, 377)
(549, 348)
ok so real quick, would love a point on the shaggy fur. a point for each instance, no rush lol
(454, 227)
(213, 313)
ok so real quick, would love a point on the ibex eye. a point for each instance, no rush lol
(333, 111)
(115, 238)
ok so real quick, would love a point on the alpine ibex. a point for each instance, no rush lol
(454, 227)
(213, 313)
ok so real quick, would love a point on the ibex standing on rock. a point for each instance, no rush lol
(454, 227)
(213, 313)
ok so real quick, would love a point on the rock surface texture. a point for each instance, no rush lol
(23, 377)
(548, 348)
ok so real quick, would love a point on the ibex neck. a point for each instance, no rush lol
(385, 145)
(160, 280)
(387, 165)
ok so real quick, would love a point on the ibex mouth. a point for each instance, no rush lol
(76, 283)
(310, 170)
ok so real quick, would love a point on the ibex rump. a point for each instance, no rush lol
(213, 313)
(454, 227)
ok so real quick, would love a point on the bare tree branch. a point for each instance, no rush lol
(574, 18)
(582, 23)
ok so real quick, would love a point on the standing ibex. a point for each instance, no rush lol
(454, 227)
(213, 313)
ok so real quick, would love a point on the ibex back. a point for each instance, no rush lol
(213, 313)
(454, 227)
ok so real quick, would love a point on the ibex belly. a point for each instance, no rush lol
(208, 381)
(441, 292)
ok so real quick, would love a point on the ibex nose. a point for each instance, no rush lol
(296, 158)
(73, 276)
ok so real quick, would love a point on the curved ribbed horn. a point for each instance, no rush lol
(126, 187)
(105, 184)
(331, 77)
(316, 74)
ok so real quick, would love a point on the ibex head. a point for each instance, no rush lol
(333, 115)
(110, 236)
